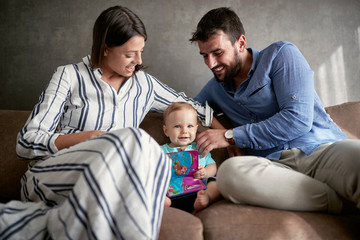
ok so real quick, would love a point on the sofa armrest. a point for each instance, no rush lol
(11, 168)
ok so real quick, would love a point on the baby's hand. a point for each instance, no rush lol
(200, 174)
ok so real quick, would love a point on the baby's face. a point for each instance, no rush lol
(181, 127)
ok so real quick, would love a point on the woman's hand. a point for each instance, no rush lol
(68, 140)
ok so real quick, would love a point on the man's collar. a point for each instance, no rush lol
(255, 56)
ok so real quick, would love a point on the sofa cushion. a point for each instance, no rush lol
(177, 225)
(225, 220)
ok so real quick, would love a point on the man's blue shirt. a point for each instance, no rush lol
(277, 107)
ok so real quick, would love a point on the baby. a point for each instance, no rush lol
(180, 125)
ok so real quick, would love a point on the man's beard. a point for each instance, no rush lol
(231, 71)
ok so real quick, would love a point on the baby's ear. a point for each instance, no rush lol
(165, 130)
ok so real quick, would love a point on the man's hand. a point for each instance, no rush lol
(211, 139)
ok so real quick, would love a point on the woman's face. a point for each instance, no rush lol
(121, 60)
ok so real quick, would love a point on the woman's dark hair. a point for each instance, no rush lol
(114, 27)
(217, 19)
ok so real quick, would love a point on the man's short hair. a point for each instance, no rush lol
(217, 19)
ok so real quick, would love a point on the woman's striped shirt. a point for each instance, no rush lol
(77, 99)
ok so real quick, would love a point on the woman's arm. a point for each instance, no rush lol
(36, 139)
(68, 140)
(215, 124)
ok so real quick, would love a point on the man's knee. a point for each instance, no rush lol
(237, 173)
(345, 153)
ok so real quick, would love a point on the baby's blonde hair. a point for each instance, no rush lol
(177, 106)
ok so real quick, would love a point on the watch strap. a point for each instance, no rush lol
(231, 141)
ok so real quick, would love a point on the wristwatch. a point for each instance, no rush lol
(230, 137)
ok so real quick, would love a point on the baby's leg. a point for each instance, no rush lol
(206, 197)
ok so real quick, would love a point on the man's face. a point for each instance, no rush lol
(221, 56)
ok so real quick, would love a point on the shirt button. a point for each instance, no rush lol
(293, 97)
(260, 147)
(244, 145)
(252, 120)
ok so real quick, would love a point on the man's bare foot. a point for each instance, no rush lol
(167, 202)
(202, 200)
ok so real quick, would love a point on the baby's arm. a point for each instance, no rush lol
(211, 170)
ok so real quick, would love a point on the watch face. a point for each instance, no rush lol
(229, 134)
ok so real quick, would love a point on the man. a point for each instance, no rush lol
(297, 158)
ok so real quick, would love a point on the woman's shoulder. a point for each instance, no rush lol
(76, 66)
(81, 70)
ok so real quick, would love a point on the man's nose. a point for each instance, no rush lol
(211, 62)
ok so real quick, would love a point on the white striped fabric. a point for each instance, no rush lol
(110, 187)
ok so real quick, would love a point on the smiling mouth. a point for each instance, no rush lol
(218, 69)
(130, 69)
(183, 138)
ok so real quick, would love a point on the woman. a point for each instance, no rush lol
(99, 176)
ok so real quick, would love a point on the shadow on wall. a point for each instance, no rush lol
(332, 87)
(331, 82)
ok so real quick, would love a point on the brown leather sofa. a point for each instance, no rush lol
(221, 220)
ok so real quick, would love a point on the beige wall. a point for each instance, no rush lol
(37, 36)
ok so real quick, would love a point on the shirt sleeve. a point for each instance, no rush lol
(164, 147)
(165, 95)
(293, 85)
(37, 138)
(208, 159)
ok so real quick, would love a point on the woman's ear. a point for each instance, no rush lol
(106, 51)
(165, 130)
